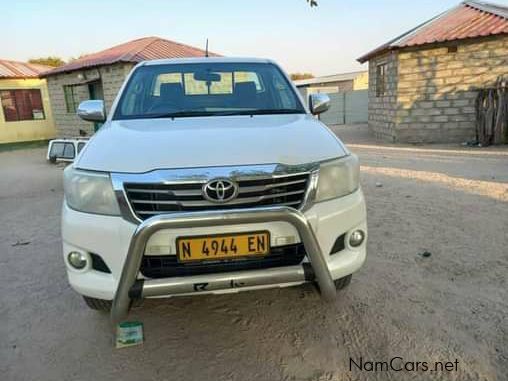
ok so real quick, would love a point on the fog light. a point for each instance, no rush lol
(356, 238)
(77, 260)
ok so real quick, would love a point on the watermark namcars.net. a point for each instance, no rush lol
(399, 364)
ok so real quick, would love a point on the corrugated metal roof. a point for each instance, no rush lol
(147, 48)
(467, 20)
(15, 69)
(329, 78)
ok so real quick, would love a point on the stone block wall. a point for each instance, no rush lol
(113, 78)
(68, 124)
(382, 108)
(436, 91)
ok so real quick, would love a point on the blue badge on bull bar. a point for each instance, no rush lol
(129, 333)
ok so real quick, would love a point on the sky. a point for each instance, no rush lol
(322, 40)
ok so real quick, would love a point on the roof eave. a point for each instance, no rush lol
(380, 50)
(59, 70)
(426, 45)
(392, 44)
(19, 77)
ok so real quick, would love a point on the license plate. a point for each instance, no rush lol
(223, 247)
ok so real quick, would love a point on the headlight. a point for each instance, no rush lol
(90, 192)
(338, 178)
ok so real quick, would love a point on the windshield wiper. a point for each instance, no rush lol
(273, 111)
(260, 112)
(190, 113)
(181, 114)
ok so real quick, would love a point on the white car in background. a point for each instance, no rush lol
(65, 149)
(210, 175)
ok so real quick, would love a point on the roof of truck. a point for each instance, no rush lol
(207, 59)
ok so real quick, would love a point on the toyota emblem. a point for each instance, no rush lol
(220, 190)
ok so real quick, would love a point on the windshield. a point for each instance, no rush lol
(207, 89)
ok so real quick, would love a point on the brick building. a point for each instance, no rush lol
(423, 84)
(25, 113)
(100, 76)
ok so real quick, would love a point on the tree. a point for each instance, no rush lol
(48, 61)
(78, 57)
(297, 76)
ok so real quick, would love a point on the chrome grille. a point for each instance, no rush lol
(149, 199)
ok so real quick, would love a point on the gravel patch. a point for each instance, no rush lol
(450, 304)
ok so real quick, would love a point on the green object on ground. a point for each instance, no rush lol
(129, 333)
(23, 145)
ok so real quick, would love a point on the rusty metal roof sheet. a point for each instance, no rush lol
(14, 69)
(467, 20)
(147, 48)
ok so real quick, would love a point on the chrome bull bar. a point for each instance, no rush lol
(128, 286)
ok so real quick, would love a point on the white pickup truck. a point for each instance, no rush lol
(210, 175)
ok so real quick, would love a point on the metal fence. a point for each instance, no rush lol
(348, 107)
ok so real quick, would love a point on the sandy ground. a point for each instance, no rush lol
(453, 305)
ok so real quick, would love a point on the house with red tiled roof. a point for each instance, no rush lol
(100, 76)
(423, 84)
(25, 112)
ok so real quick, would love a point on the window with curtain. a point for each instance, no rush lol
(23, 104)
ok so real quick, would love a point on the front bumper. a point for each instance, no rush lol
(122, 245)
(127, 285)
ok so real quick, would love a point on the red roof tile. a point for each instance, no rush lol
(14, 69)
(148, 48)
(467, 20)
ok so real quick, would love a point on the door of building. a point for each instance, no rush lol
(96, 92)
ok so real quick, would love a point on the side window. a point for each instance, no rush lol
(133, 101)
(165, 78)
(70, 99)
(244, 76)
(81, 145)
(381, 80)
(22, 105)
(69, 151)
(286, 96)
(62, 150)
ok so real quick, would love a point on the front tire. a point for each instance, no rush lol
(97, 304)
(342, 283)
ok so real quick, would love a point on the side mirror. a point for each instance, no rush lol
(319, 103)
(92, 111)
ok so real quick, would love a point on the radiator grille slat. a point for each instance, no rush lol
(149, 199)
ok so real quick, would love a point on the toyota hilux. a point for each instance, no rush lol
(210, 175)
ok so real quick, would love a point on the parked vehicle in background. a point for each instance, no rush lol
(210, 175)
(65, 149)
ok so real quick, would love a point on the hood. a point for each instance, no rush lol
(142, 145)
